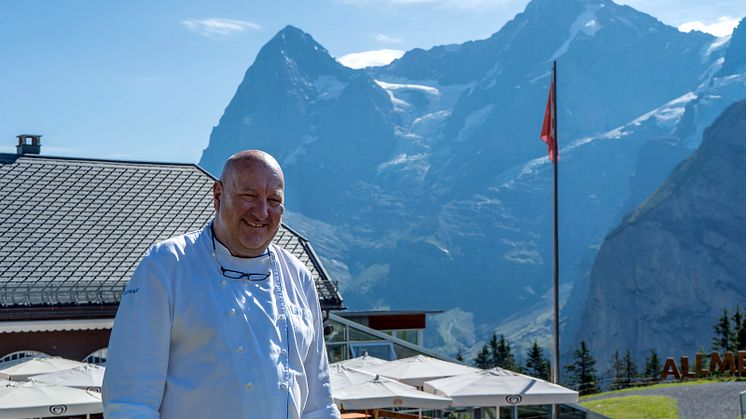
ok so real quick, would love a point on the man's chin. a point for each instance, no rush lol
(254, 248)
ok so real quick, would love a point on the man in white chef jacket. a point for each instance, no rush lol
(221, 323)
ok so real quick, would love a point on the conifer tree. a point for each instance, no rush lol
(504, 355)
(723, 333)
(741, 336)
(483, 358)
(582, 372)
(652, 367)
(630, 373)
(536, 364)
(460, 355)
(548, 369)
(616, 371)
(738, 327)
(494, 347)
(501, 354)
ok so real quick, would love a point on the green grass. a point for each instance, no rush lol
(663, 385)
(634, 407)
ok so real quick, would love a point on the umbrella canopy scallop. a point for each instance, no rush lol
(86, 376)
(30, 367)
(362, 362)
(500, 387)
(342, 376)
(34, 400)
(418, 369)
(381, 393)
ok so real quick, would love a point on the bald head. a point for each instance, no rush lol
(249, 202)
(247, 159)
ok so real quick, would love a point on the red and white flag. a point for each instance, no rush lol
(549, 129)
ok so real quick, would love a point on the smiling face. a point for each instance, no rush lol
(248, 203)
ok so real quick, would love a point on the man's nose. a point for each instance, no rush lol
(260, 209)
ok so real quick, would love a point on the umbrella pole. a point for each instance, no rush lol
(420, 412)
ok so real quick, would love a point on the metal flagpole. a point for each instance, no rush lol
(555, 352)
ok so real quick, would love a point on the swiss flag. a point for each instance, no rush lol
(549, 129)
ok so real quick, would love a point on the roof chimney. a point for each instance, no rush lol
(28, 147)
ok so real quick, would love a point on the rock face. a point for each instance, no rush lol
(428, 174)
(665, 274)
(659, 140)
(735, 60)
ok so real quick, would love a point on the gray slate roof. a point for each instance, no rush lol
(72, 231)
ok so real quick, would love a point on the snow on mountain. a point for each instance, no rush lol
(329, 87)
(586, 22)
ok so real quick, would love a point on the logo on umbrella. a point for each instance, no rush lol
(58, 409)
(513, 399)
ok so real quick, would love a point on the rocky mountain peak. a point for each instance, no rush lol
(396, 167)
(735, 58)
(293, 51)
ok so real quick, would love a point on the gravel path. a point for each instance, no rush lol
(703, 401)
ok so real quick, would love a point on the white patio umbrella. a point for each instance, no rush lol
(342, 376)
(36, 366)
(86, 376)
(35, 400)
(380, 393)
(499, 387)
(418, 369)
(362, 362)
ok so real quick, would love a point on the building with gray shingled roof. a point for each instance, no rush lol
(73, 231)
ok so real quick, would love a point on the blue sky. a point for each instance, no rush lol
(147, 80)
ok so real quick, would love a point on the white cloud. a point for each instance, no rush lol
(388, 39)
(370, 58)
(215, 27)
(722, 27)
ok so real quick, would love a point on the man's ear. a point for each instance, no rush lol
(217, 194)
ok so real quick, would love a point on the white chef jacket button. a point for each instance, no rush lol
(284, 352)
(247, 386)
(232, 312)
(239, 348)
(224, 282)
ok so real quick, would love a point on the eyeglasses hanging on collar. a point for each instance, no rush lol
(230, 273)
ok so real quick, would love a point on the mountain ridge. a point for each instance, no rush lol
(675, 259)
(421, 181)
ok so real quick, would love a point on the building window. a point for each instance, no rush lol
(359, 335)
(337, 352)
(97, 357)
(15, 356)
(410, 335)
(352, 340)
(338, 332)
(382, 350)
